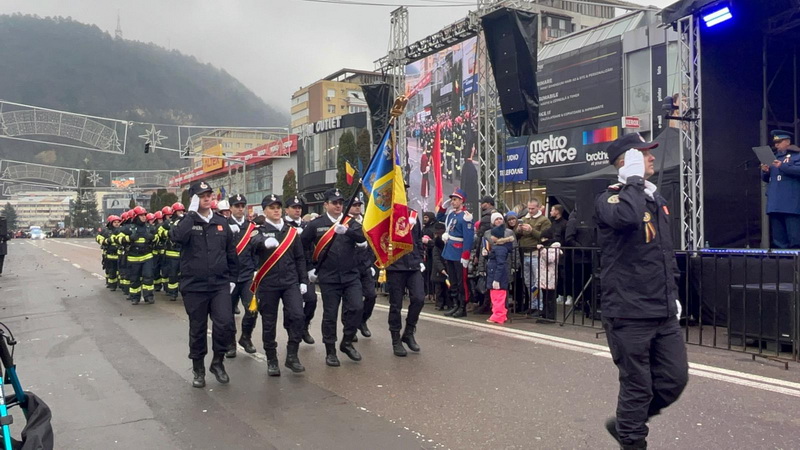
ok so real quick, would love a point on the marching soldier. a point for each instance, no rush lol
(242, 230)
(294, 213)
(139, 236)
(458, 238)
(337, 274)
(365, 260)
(282, 277)
(110, 256)
(209, 266)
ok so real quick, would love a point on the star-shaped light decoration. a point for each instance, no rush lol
(153, 137)
(94, 178)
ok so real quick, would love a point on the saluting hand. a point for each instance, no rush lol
(194, 205)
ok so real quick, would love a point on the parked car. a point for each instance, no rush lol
(37, 233)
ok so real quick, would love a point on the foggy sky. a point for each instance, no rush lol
(272, 46)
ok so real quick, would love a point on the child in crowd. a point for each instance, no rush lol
(549, 255)
(497, 272)
(438, 271)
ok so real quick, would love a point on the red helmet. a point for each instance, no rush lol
(158, 215)
(139, 210)
(126, 215)
(213, 204)
(166, 211)
(177, 206)
(150, 217)
(112, 218)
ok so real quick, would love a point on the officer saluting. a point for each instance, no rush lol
(783, 191)
(281, 276)
(242, 230)
(458, 237)
(294, 212)
(337, 275)
(209, 267)
(640, 294)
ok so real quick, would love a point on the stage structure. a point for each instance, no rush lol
(487, 105)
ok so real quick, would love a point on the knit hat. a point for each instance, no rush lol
(499, 231)
(511, 214)
(495, 216)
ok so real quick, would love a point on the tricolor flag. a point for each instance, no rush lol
(350, 171)
(386, 224)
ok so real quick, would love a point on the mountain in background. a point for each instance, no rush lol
(62, 64)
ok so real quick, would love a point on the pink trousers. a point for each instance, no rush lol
(499, 311)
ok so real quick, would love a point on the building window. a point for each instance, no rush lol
(331, 93)
(562, 24)
(331, 109)
(637, 91)
(248, 146)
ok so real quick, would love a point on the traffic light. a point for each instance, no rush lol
(147, 147)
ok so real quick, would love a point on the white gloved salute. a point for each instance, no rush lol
(194, 204)
(271, 242)
(312, 275)
(339, 229)
(303, 288)
(633, 166)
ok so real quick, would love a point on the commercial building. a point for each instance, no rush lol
(43, 209)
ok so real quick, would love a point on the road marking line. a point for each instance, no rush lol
(700, 370)
(65, 259)
(74, 245)
(76, 266)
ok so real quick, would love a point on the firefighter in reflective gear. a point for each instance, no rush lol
(158, 251)
(140, 237)
(172, 251)
(122, 253)
(110, 257)
(160, 272)
(294, 212)
(281, 276)
(338, 275)
(242, 230)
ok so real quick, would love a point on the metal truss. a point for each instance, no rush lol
(691, 144)
(396, 69)
(25, 122)
(10, 188)
(17, 171)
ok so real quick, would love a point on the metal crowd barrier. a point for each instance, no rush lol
(738, 300)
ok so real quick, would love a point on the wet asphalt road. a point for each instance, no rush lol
(117, 376)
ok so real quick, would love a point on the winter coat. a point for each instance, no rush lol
(497, 267)
(548, 266)
(486, 244)
(437, 262)
(530, 239)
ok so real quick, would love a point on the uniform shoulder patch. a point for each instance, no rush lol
(254, 233)
(613, 198)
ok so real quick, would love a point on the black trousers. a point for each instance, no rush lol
(173, 266)
(653, 370)
(349, 296)
(141, 277)
(2, 259)
(199, 306)
(370, 295)
(309, 303)
(241, 293)
(442, 294)
(398, 282)
(292, 316)
(124, 277)
(458, 281)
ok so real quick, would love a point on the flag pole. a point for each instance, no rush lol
(397, 109)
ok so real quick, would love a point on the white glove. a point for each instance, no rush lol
(235, 228)
(485, 252)
(496, 285)
(271, 242)
(194, 204)
(299, 230)
(233, 286)
(303, 288)
(421, 267)
(339, 229)
(465, 263)
(362, 244)
(312, 275)
(634, 165)
(412, 220)
(680, 308)
(446, 203)
(372, 272)
(445, 237)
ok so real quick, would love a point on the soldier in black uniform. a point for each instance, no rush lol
(365, 260)
(282, 277)
(242, 230)
(639, 293)
(406, 274)
(294, 214)
(209, 268)
(337, 274)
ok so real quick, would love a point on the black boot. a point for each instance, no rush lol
(199, 372)
(292, 361)
(307, 338)
(347, 348)
(272, 368)
(218, 369)
(408, 338)
(247, 343)
(134, 299)
(355, 338)
(397, 345)
(365, 330)
(330, 355)
(149, 300)
(611, 427)
(231, 353)
(452, 309)
(460, 311)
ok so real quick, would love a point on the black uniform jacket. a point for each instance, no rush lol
(638, 271)
(291, 267)
(341, 265)
(141, 238)
(208, 253)
(411, 261)
(247, 258)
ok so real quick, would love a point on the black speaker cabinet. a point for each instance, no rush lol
(770, 319)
